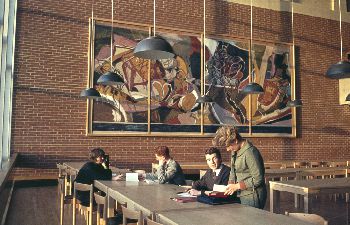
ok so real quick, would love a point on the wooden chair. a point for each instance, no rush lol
(301, 164)
(133, 215)
(64, 199)
(101, 202)
(311, 218)
(151, 222)
(86, 210)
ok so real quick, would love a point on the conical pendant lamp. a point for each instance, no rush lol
(252, 87)
(111, 78)
(204, 98)
(341, 69)
(154, 47)
(90, 93)
(295, 103)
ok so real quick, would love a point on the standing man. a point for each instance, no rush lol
(217, 173)
(169, 171)
(247, 167)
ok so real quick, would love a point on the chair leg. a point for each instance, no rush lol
(62, 209)
(74, 212)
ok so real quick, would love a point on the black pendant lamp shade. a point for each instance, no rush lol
(295, 103)
(111, 79)
(204, 99)
(339, 71)
(253, 88)
(90, 93)
(153, 48)
(347, 98)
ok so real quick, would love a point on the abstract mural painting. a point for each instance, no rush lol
(226, 73)
(159, 96)
(272, 68)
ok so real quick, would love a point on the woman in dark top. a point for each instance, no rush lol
(93, 170)
(217, 174)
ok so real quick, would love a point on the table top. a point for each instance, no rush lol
(148, 198)
(225, 214)
(295, 170)
(77, 165)
(331, 183)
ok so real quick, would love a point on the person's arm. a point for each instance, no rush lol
(166, 173)
(225, 175)
(255, 164)
(151, 176)
(200, 184)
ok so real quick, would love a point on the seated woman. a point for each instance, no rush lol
(96, 169)
(169, 171)
(217, 173)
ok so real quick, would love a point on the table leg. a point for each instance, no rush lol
(307, 203)
(296, 201)
(111, 207)
(274, 199)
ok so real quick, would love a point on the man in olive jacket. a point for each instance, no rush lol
(247, 168)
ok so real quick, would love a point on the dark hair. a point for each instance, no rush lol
(162, 151)
(213, 150)
(95, 153)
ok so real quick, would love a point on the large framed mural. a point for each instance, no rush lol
(159, 96)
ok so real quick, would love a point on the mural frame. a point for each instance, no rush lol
(98, 128)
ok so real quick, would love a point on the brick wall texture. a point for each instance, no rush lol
(49, 120)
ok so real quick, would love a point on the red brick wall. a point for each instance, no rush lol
(51, 69)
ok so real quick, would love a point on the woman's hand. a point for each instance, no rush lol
(231, 188)
(119, 177)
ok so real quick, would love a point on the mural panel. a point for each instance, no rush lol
(159, 96)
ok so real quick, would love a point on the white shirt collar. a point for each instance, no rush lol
(217, 171)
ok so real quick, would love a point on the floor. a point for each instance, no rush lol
(36, 203)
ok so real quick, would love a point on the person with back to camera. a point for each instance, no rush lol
(247, 167)
(217, 173)
(96, 169)
(169, 171)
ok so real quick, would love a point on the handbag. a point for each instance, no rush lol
(218, 200)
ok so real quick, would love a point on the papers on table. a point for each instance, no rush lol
(219, 188)
(186, 194)
(132, 177)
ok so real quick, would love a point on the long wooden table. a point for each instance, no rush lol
(154, 200)
(313, 171)
(148, 198)
(75, 167)
(307, 188)
(225, 214)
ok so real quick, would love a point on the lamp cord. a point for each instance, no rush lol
(204, 33)
(341, 37)
(112, 38)
(154, 18)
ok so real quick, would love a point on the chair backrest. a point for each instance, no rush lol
(301, 164)
(151, 222)
(83, 187)
(101, 202)
(311, 218)
(131, 214)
